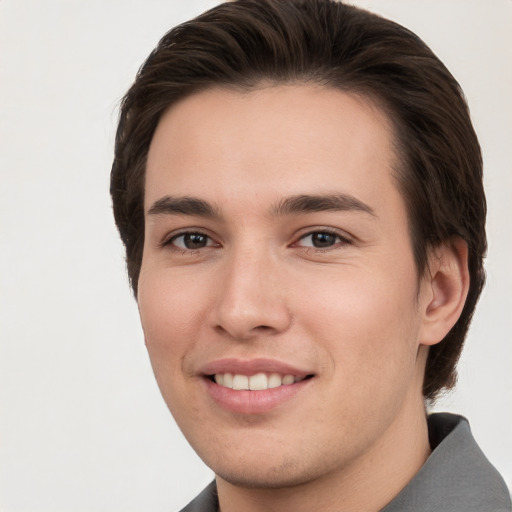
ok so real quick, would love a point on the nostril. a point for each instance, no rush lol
(244, 319)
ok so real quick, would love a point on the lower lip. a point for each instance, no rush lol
(253, 402)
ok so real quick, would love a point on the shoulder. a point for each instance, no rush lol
(456, 477)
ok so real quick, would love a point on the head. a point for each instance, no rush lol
(247, 44)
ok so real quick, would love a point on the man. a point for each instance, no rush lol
(299, 189)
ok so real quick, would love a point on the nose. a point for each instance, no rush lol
(251, 298)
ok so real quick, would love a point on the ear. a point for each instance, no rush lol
(444, 290)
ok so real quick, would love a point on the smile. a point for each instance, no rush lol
(255, 386)
(258, 382)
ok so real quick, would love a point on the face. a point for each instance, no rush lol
(278, 293)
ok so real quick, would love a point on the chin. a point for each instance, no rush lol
(273, 479)
(266, 475)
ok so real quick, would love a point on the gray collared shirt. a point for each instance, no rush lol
(457, 476)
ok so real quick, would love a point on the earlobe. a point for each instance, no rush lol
(447, 285)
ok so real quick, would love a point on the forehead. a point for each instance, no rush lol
(229, 144)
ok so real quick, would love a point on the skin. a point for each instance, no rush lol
(353, 314)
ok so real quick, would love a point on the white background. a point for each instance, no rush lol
(82, 424)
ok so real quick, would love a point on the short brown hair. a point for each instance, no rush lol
(324, 42)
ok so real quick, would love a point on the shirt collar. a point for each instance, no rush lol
(456, 477)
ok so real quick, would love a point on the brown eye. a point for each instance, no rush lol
(191, 241)
(321, 240)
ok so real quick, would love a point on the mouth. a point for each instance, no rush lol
(257, 382)
(257, 386)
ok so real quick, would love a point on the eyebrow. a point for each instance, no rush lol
(169, 205)
(299, 204)
(320, 203)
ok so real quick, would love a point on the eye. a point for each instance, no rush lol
(321, 240)
(191, 241)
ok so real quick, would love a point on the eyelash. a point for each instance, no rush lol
(342, 240)
(171, 242)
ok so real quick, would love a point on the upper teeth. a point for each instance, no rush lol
(257, 382)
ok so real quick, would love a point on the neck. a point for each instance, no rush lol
(367, 485)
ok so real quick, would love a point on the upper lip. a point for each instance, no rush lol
(252, 367)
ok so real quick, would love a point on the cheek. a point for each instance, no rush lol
(169, 313)
(167, 305)
(368, 323)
